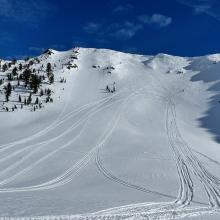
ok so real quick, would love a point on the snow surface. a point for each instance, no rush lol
(148, 151)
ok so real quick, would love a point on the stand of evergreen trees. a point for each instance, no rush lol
(28, 77)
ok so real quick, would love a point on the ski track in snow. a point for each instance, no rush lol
(128, 184)
(61, 119)
(155, 214)
(72, 171)
(64, 119)
(186, 162)
(41, 145)
(77, 165)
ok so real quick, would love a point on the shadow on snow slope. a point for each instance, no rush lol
(209, 72)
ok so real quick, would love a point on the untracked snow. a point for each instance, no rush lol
(149, 150)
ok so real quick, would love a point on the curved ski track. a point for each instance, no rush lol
(186, 162)
(75, 169)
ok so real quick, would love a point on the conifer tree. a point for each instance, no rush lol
(29, 99)
(37, 101)
(34, 82)
(51, 78)
(50, 74)
(26, 76)
(49, 68)
(8, 90)
(41, 92)
(20, 66)
(48, 92)
(4, 67)
(14, 71)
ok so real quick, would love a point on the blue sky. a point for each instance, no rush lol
(178, 27)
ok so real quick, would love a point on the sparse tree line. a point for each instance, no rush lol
(27, 78)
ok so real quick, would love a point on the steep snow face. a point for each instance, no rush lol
(127, 136)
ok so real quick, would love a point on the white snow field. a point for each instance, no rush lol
(150, 150)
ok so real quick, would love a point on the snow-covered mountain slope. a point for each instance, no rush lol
(148, 150)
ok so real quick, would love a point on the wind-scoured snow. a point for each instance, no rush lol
(149, 150)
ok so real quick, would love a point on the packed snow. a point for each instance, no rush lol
(126, 137)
